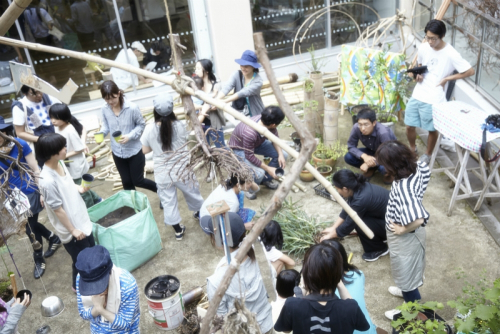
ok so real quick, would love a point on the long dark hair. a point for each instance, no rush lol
(349, 179)
(272, 236)
(233, 181)
(208, 68)
(61, 112)
(346, 277)
(251, 252)
(166, 129)
(109, 89)
(397, 158)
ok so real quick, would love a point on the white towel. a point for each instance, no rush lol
(114, 293)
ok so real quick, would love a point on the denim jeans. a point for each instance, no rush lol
(352, 160)
(266, 149)
(215, 136)
(411, 296)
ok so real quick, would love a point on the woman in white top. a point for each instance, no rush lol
(74, 132)
(65, 208)
(166, 137)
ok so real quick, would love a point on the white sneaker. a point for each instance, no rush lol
(390, 314)
(395, 291)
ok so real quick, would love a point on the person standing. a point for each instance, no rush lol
(405, 219)
(29, 187)
(81, 18)
(441, 60)
(247, 84)
(118, 114)
(107, 296)
(166, 138)
(246, 142)
(371, 134)
(30, 115)
(122, 78)
(369, 201)
(65, 207)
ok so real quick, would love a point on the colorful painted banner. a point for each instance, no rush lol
(371, 77)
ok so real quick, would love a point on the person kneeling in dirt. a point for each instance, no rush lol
(107, 296)
(246, 142)
(369, 201)
(372, 135)
(247, 283)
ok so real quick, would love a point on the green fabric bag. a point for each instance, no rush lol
(133, 241)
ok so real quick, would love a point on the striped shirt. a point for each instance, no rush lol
(130, 122)
(128, 316)
(405, 200)
(247, 139)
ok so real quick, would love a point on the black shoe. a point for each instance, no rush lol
(39, 265)
(196, 215)
(374, 256)
(54, 244)
(179, 235)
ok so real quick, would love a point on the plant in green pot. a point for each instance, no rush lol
(478, 309)
(418, 318)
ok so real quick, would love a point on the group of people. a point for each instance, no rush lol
(328, 293)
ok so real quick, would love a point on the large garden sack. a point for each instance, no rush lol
(132, 241)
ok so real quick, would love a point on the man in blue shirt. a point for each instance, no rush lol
(372, 135)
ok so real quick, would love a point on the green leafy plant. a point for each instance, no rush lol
(479, 307)
(308, 85)
(300, 230)
(410, 321)
(317, 64)
(334, 151)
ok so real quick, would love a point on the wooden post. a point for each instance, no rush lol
(10, 16)
(14, 284)
(330, 121)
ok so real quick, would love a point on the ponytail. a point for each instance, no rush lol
(348, 179)
(166, 129)
(61, 112)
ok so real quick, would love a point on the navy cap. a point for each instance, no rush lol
(248, 58)
(4, 126)
(237, 226)
(94, 265)
(163, 104)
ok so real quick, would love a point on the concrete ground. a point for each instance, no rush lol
(453, 243)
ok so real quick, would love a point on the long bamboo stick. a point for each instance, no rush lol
(10, 16)
(208, 99)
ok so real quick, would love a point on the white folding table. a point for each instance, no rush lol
(461, 123)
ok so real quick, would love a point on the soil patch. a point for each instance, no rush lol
(6, 292)
(116, 216)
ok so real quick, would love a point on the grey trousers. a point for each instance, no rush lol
(168, 198)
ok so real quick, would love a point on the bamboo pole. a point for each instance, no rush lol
(292, 77)
(208, 99)
(15, 9)
(14, 284)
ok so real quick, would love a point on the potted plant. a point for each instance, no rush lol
(416, 318)
(478, 310)
(328, 155)
(305, 175)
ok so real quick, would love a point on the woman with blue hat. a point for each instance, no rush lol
(247, 84)
(166, 138)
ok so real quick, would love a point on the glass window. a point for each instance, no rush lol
(422, 16)
(490, 74)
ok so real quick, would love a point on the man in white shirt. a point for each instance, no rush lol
(122, 78)
(441, 60)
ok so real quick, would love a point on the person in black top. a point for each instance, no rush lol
(370, 203)
(320, 310)
(159, 53)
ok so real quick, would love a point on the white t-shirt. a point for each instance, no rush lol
(124, 79)
(220, 193)
(79, 166)
(61, 191)
(273, 255)
(166, 166)
(277, 307)
(40, 108)
(440, 64)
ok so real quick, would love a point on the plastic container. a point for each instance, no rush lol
(87, 179)
(99, 137)
(117, 135)
(167, 313)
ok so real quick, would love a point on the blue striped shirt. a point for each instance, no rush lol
(405, 200)
(130, 122)
(128, 316)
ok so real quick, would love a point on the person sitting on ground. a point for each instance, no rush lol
(107, 296)
(122, 78)
(286, 282)
(11, 312)
(247, 84)
(247, 284)
(232, 194)
(272, 240)
(441, 60)
(369, 201)
(320, 308)
(371, 134)
(246, 142)
(166, 138)
(354, 281)
(65, 207)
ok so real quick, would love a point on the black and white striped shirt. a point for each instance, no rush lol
(405, 200)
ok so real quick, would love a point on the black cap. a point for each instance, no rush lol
(94, 265)
(237, 226)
